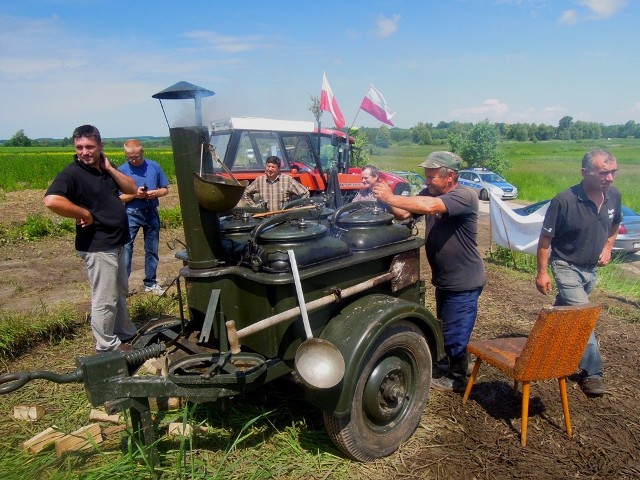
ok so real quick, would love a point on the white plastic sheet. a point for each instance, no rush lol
(518, 233)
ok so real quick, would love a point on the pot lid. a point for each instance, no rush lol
(240, 223)
(293, 232)
(366, 217)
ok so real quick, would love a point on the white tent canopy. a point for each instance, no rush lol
(518, 233)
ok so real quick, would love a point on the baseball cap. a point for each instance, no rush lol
(442, 159)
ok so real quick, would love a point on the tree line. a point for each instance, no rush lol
(421, 134)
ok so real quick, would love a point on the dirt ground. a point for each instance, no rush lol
(476, 440)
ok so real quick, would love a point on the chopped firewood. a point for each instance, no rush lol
(81, 439)
(162, 404)
(180, 429)
(42, 440)
(152, 366)
(113, 430)
(100, 416)
(28, 412)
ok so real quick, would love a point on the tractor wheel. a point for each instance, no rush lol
(484, 195)
(390, 395)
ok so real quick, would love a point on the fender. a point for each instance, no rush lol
(355, 329)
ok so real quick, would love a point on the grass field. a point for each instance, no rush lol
(539, 170)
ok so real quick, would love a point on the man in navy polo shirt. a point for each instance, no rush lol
(87, 191)
(577, 237)
(142, 209)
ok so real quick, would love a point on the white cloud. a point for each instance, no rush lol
(490, 108)
(569, 17)
(385, 27)
(595, 10)
(604, 8)
(228, 43)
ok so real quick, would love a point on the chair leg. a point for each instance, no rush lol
(562, 383)
(525, 413)
(474, 373)
(515, 387)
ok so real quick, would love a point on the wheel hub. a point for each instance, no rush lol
(385, 393)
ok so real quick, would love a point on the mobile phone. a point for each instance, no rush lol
(144, 188)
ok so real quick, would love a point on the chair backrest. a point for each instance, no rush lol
(556, 342)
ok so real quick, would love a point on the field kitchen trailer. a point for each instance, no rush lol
(331, 299)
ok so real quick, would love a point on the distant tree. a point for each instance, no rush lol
(479, 148)
(314, 107)
(564, 124)
(361, 142)
(383, 137)
(544, 132)
(19, 140)
(421, 134)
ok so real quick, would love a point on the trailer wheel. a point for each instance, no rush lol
(484, 195)
(390, 395)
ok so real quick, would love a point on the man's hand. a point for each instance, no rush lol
(85, 220)
(543, 283)
(382, 192)
(605, 257)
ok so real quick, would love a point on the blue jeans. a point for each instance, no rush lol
(149, 221)
(458, 312)
(110, 322)
(574, 285)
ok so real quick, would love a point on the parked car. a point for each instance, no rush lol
(628, 239)
(416, 181)
(484, 181)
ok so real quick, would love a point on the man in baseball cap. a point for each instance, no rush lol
(457, 268)
(442, 159)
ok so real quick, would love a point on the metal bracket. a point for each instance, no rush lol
(208, 319)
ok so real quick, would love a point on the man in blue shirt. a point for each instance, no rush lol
(142, 209)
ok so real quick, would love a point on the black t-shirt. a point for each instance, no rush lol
(452, 242)
(97, 192)
(577, 229)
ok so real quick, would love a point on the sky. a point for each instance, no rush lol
(65, 63)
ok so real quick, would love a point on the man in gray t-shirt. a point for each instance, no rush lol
(452, 251)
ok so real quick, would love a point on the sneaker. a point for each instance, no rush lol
(449, 383)
(156, 289)
(593, 386)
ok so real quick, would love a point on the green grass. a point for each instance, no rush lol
(35, 167)
(539, 170)
(612, 279)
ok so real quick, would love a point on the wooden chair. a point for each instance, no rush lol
(552, 350)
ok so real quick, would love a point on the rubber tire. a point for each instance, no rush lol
(484, 195)
(358, 435)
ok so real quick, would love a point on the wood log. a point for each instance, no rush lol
(28, 412)
(100, 416)
(81, 439)
(42, 440)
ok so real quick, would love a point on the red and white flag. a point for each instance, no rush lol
(374, 104)
(328, 103)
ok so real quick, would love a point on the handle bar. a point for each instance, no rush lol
(15, 380)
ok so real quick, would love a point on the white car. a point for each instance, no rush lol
(485, 181)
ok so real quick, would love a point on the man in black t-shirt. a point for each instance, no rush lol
(577, 236)
(87, 191)
(451, 245)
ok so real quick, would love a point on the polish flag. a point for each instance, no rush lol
(374, 104)
(328, 103)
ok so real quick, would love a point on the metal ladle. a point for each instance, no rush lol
(318, 362)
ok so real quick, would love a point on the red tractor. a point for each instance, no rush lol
(244, 143)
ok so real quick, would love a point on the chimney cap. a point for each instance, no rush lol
(183, 90)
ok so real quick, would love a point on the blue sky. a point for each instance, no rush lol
(64, 63)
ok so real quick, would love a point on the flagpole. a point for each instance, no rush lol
(354, 119)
